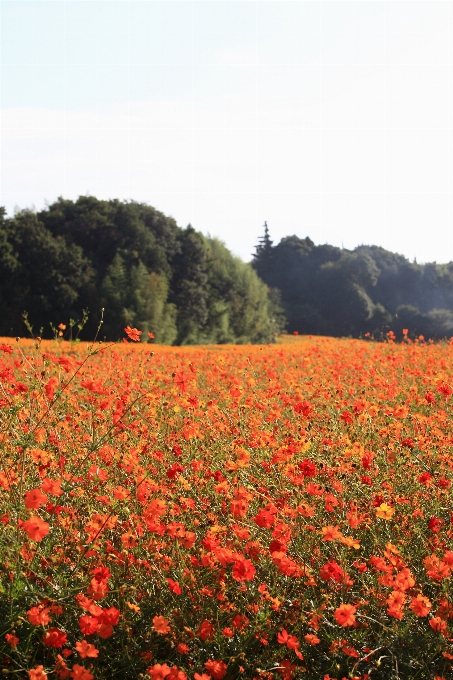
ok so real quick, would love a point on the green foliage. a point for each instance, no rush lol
(333, 291)
(138, 265)
(39, 272)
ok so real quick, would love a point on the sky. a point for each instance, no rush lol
(327, 119)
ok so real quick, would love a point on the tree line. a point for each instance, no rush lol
(184, 288)
(137, 264)
(332, 291)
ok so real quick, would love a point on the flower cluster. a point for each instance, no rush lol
(217, 512)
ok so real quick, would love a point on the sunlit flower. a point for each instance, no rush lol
(345, 615)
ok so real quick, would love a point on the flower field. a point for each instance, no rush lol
(226, 511)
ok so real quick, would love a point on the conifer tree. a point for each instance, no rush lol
(262, 257)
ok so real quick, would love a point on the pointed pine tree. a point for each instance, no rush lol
(262, 258)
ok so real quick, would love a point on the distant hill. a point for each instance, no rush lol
(333, 291)
(137, 264)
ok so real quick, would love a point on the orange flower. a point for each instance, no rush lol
(159, 671)
(396, 599)
(61, 667)
(243, 570)
(420, 605)
(54, 638)
(330, 533)
(350, 542)
(312, 639)
(133, 333)
(438, 624)
(36, 528)
(216, 669)
(206, 630)
(80, 673)
(37, 673)
(331, 571)
(344, 615)
(52, 486)
(86, 650)
(34, 499)
(160, 625)
(385, 511)
(290, 641)
(39, 616)
(12, 640)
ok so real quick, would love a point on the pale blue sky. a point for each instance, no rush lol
(327, 119)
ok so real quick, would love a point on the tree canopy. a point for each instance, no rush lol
(137, 264)
(333, 291)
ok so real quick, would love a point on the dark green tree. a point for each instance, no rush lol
(262, 257)
(42, 274)
(333, 291)
(138, 265)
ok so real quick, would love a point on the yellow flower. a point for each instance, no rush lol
(384, 511)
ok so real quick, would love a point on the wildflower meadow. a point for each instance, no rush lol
(210, 512)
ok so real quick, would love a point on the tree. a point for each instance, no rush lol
(48, 277)
(134, 262)
(262, 257)
(189, 286)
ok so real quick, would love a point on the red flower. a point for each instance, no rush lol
(51, 387)
(54, 638)
(216, 669)
(243, 570)
(331, 571)
(39, 616)
(240, 621)
(307, 468)
(305, 408)
(174, 586)
(80, 673)
(344, 615)
(206, 630)
(158, 671)
(36, 528)
(88, 624)
(290, 641)
(34, 499)
(86, 650)
(350, 651)
(12, 640)
(133, 333)
(438, 625)
(265, 518)
(420, 605)
(110, 616)
(425, 478)
(52, 486)
(176, 674)
(37, 673)
(102, 573)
